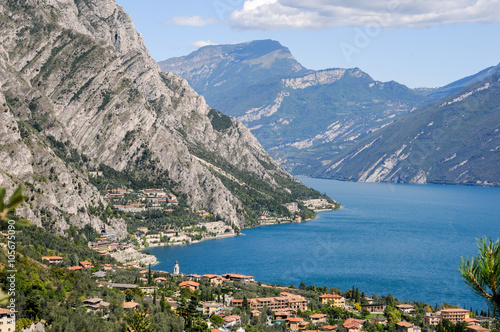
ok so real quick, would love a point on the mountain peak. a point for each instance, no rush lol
(249, 62)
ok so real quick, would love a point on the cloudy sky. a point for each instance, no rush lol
(418, 43)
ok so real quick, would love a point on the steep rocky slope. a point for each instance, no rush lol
(79, 89)
(455, 140)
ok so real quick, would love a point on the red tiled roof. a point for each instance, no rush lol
(477, 328)
(189, 283)
(73, 268)
(49, 258)
(129, 305)
(455, 310)
(294, 319)
(318, 316)
(404, 324)
(352, 323)
(330, 296)
(404, 306)
(328, 327)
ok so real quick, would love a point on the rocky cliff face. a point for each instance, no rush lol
(77, 76)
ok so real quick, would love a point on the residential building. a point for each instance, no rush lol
(432, 319)
(256, 313)
(374, 308)
(285, 301)
(122, 287)
(95, 304)
(232, 320)
(455, 315)
(212, 308)
(194, 277)
(213, 279)
(161, 279)
(475, 328)
(335, 299)
(130, 305)
(353, 325)
(406, 308)
(472, 321)
(318, 318)
(192, 285)
(74, 268)
(293, 323)
(52, 259)
(131, 207)
(86, 265)
(99, 274)
(237, 302)
(378, 320)
(238, 277)
(292, 207)
(148, 289)
(328, 327)
(407, 327)
(7, 320)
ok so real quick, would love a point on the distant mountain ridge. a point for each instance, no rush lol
(454, 141)
(444, 91)
(301, 117)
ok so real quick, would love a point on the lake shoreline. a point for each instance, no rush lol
(232, 235)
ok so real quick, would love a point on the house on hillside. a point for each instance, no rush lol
(407, 327)
(353, 325)
(192, 285)
(52, 259)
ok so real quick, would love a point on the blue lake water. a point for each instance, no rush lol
(401, 239)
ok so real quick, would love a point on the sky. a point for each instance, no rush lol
(423, 43)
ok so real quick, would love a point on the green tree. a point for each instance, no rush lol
(217, 320)
(244, 305)
(482, 273)
(139, 321)
(390, 301)
(392, 314)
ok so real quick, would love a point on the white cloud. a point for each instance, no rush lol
(191, 21)
(324, 14)
(201, 43)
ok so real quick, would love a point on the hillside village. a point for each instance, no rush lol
(157, 219)
(233, 302)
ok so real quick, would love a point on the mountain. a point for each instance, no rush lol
(218, 71)
(303, 118)
(455, 141)
(80, 92)
(442, 92)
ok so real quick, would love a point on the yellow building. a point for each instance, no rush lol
(334, 299)
(455, 315)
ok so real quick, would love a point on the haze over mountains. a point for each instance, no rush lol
(80, 92)
(309, 120)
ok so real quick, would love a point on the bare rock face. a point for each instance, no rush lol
(77, 73)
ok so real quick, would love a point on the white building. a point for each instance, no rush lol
(176, 268)
(7, 321)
